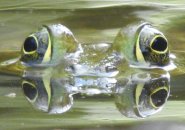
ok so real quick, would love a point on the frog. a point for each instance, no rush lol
(142, 43)
(44, 48)
(55, 46)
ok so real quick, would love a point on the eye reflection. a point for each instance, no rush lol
(142, 97)
(30, 91)
(48, 95)
(158, 98)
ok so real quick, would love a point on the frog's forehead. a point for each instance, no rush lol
(63, 37)
(148, 31)
(58, 30)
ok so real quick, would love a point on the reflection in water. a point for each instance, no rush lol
(137, 95)
(47, 94)
(142, 95)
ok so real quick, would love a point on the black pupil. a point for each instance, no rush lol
(159, 44)
(30, 44)
(159, 97)
(29, 91)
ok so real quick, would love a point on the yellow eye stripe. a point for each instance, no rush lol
(33, 85)
(31, 52)
(46, 81)
(47, 55)
(159, 52)
(138, 91)
(139, 54)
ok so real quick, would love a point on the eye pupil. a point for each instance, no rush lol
(29, 91)
(159, 44)
(30, 44)
(159, 97)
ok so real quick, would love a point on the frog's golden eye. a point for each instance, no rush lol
(48, 45)
(142, 43)
(151, 46)
(30, 45)
(30, 91)
(159, 44)
(37, 48)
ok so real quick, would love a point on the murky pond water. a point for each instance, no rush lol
(105, 106)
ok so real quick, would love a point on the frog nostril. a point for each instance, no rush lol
(30, 44)
(159, 44)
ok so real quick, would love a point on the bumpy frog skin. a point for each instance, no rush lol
(142, 44)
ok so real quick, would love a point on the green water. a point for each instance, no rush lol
(91, 22)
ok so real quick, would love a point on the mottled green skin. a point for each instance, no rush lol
(63, 42)
(125, 42)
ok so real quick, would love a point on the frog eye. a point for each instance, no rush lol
(158, 97)
(36, 49)
(152, 46)
(30, 45)
(30, 91)
(159, 44)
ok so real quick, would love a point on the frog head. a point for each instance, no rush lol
(142, 43)
(48, 45)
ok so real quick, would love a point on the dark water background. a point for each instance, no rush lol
(91, 22)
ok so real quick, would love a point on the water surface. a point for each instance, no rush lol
(91, 22)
